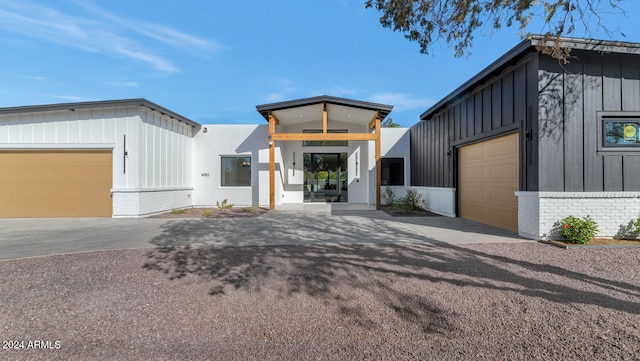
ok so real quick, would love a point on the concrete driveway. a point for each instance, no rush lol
(20, 238)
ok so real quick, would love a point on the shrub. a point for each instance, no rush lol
(410, 202)
(389, 196)
(636, 226)
(414, 199)
(224, 205)
(207, 213)
(178, 211)
(578, 230)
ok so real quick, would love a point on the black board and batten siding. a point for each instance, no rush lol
(555, 107)
(500, 105)
(571, 96)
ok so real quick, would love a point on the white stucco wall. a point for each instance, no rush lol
(394, 143)
(233, 140)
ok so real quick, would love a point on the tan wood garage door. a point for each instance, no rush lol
(488, 176)
(55, 183)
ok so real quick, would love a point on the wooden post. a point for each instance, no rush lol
(325, 118)
(272, 161)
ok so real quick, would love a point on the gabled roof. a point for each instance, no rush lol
(382, 108)
(525, 47)
(99, 104)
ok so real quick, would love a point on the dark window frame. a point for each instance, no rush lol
(389, 178)
(607, 148)
(246, 162)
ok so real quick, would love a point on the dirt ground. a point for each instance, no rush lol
(395, 301)
(213, 212)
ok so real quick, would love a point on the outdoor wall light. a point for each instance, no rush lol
(204, 130)
(356, 164)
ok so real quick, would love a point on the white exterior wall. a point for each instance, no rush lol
(233, 140)
(439, 200)
(394, 143)
(159, 150)
(538, 212)
(158, 166)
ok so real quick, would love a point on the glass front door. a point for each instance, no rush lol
(325, 177)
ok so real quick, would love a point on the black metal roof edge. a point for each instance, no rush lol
(528, 45)
(99, 104)
(516, 51)
(264, 109)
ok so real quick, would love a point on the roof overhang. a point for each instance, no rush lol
(523, 49)
(311, 109)
(100, 104)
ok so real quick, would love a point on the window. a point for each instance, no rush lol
(236, 171)
(309, 143)
(618, 133)
(392, 171)
(621, 132)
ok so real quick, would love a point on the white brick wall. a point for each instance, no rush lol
(142, 202)
(538, 212)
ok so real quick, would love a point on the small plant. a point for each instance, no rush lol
(414, 199)
(207, 213)
(251, 209)
(224, 205)
(389, 196)
(578, 230)
(636, 226)
(178, 211)
(410, 202)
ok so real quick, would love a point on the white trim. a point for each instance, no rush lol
(138, 190)
(57, 146)
(560, 195)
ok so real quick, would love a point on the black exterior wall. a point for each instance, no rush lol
(555, 107)
(505, 102)
(571, 96)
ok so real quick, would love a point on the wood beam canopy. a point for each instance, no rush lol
(321, 136)
(375, 124)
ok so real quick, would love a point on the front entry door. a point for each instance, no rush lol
(325, 177)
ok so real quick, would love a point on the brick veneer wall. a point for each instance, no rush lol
(141, 202)
(538, 212)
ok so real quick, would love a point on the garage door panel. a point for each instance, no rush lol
(488, 177)
(56, 183)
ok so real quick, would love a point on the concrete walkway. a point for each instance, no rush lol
(21, 238)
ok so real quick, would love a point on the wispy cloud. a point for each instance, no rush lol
(402, 102)
(34, 77)
(341, 92)
(157, 32)
(128, 84)
(285, 88)
(103, 32)
(73, 98)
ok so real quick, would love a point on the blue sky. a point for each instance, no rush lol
(214, 61)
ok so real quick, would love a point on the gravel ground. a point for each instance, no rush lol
(401, 301)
